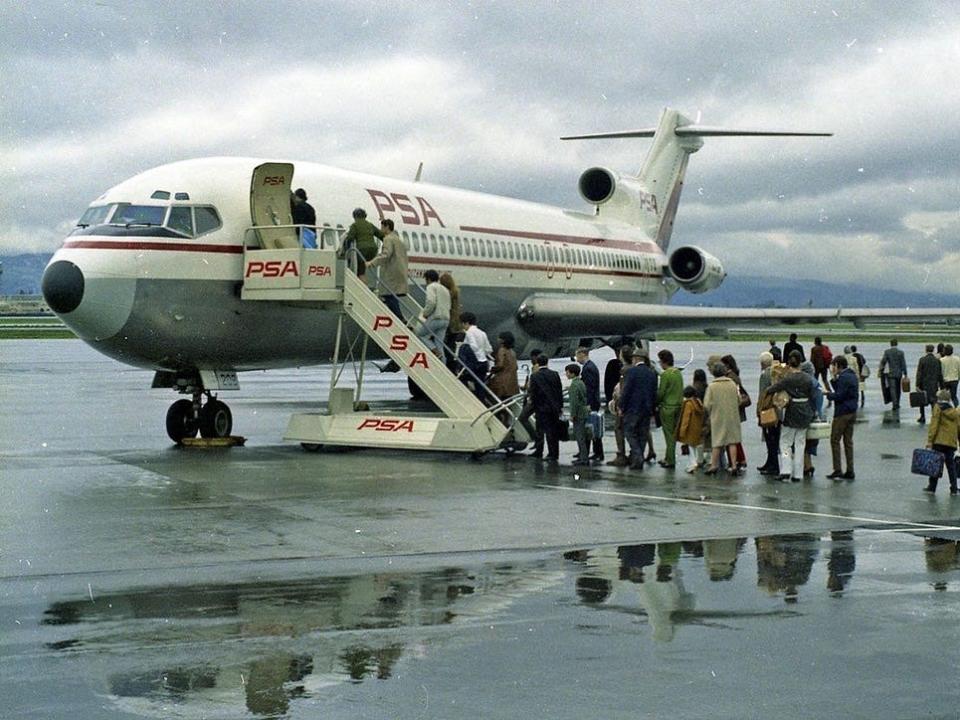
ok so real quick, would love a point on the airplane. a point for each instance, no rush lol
(152, 273)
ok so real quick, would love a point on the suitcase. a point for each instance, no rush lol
(818, 431)
(905, 384)
(595, 422)
(918, 398)
(927, 462)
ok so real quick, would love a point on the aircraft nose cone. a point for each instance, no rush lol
(62, 286)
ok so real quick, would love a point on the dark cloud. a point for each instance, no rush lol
(96, 91)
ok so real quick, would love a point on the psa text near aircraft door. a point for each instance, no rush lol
(270, 205)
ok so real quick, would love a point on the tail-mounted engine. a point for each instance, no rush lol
(694, 269)
(622, 197)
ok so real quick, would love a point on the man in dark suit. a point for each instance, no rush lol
(791, 345)
(546, 396)
(893, 367)
(637, 403)
(591, 379)
(929, 380)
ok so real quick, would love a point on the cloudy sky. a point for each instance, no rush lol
(93, 92)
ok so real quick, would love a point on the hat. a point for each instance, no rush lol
(640, 352)
(943, 395)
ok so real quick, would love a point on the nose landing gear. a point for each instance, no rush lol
(186, 417)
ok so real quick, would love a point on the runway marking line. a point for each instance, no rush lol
(735, 506)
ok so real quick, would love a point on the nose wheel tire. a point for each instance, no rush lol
(216, 420)
(181, 421)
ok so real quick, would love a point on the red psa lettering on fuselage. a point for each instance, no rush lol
(272, 268)
(399, 203)
(386, 425)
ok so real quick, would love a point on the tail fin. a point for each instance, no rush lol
(674, 139)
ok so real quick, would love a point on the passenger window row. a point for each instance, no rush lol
(457, 246)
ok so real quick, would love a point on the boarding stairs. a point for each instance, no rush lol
(322, 280)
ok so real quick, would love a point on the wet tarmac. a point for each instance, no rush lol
(142, 580)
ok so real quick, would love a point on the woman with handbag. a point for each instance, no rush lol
(797, 416)
(942, 437)
(733, 372)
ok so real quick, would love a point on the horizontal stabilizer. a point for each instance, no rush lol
(697, 131)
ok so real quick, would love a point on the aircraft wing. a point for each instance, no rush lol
(588, 315)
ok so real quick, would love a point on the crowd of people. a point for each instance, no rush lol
(704, 418)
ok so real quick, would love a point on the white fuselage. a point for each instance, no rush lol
(155, 299)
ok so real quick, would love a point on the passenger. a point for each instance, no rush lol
(669, 399)
(591, 380)
(611, 375)
(821, 357)
(950, 365)
(942, 437)
(797, 417)
(791, 345)
(863, 372)
(929, 380)
(304, 214)
(393, 277)
(503, 380)
(844, 395)
(637, 404)
(722, 402)
(733, 372)
(435, 315)
(546, 396)
(577, 395)
(771, 433)
(620, 460)
(690, 426)
(362, 236)
(536, 433)
(478, 341)
(893, 368)
(454, 332)
(775, 351)
(811, 445)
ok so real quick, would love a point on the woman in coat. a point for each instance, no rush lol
(503, 380)
(942, 437)
(722, 403)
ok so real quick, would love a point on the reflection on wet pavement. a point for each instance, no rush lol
(271, 647)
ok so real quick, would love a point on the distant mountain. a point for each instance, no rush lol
(21, 273)
(768, 292)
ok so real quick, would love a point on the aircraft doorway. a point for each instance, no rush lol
(270, 205)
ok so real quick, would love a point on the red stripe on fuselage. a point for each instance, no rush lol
(170, 247)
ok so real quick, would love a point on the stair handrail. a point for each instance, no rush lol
(476, 378)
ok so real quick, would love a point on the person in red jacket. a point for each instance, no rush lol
(821, 357)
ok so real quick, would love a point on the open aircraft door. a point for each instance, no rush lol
(270, 205)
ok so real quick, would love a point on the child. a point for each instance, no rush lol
(690, 425)
(578, 413)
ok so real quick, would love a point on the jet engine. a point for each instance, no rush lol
(621, 196)
(695, 270)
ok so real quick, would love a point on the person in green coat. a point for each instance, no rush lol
(363, 236)
(669, 400)
(578, 412)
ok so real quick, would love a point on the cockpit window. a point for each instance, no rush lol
(138, 214)
(95, 215)
(180, 220)
(148, 220)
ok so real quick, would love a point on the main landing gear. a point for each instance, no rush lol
(185, 418)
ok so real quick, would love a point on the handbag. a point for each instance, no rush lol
(769, 417)
(818, 431)
(927, 462)
(905, 384)
(745, 400)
